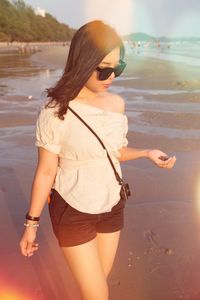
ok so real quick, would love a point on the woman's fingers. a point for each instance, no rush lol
(31, 248)
(35, 247)
(168, 164)
(172, 162)
(28, 248)
(156, 155)
(161, 159)
(23, 246)
(28, 244)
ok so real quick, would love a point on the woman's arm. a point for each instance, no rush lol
(42, 183)
(43, 180)
(127, 153)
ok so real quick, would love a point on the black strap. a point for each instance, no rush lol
(119, 179)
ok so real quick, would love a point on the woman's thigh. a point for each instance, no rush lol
(86, 266)
(107, 246)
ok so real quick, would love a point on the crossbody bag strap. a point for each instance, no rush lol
(119, 179)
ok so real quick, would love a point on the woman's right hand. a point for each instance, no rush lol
(27, 244)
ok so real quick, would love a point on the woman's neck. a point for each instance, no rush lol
(85, 93)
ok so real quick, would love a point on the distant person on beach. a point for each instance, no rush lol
(86, 198)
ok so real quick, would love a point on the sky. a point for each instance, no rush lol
(173, 18)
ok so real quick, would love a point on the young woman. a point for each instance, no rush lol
(85, 206)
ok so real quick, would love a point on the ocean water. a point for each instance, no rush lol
(185, 52)
(141, 101)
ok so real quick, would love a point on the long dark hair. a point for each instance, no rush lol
(90, 44)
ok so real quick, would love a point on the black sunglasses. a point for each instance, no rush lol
(104, 73)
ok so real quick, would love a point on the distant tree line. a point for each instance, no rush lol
(18, 22)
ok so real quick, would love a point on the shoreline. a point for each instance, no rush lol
(16, 44)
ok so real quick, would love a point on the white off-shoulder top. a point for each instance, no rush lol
(85, 178)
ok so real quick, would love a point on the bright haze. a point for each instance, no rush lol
(175, 18)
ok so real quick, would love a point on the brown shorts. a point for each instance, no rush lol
(72, 227)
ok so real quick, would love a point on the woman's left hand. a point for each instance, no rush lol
(155, 156)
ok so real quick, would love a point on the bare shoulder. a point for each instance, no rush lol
(117, 103)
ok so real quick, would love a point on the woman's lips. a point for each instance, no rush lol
(106, 86)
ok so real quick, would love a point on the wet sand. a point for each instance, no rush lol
(158, 255)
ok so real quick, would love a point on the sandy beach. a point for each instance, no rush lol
(158, 255)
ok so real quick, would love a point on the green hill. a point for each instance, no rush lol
(139, 36)
(18, 22)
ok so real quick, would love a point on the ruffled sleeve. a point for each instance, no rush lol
(49, 130)
(122, 140)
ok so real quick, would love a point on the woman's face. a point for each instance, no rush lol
(110, 60)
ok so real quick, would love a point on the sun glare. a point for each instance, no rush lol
(198, 195)
(118, 14)
(6, 293)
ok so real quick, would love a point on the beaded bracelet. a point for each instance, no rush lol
(31, 225)
(28, 217)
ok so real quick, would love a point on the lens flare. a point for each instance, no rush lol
(118, 14)
(11, 296)
(142, 20)
(9, 293)
(198, 195)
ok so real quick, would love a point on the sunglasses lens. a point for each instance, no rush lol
(105, 73)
